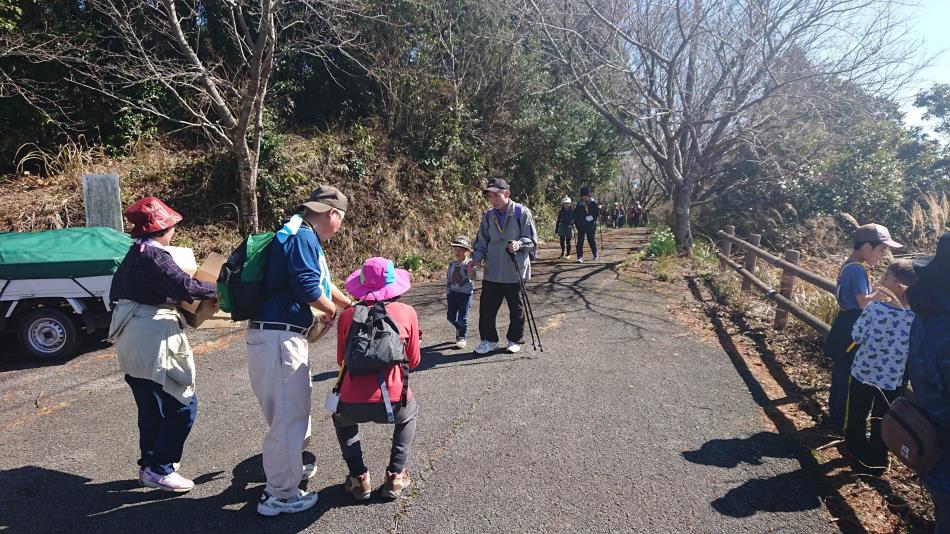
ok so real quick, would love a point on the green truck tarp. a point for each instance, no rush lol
(65, 253)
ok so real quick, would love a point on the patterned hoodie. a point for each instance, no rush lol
(882, 333)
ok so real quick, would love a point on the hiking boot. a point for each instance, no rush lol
(513, 347)
(460, 343)
(270, 506)
(486, 346)
(359, 487)
(395, 483)
(309, 465)
(580, 259)
(170, 482)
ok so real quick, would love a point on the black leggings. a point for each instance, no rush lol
(565, 244)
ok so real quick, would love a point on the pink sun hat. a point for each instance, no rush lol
(377, 279)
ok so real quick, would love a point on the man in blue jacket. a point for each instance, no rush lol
(296, 279)
(929, 364)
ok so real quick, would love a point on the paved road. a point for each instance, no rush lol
(626, 422)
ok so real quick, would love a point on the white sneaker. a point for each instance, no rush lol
(309, 465)
(513, 347)
(461, 343)
(580, 259)
(485, 347)
(171, 482)
(271, 506)
(175, 467)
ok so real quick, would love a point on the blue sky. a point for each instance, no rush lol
(931, 19)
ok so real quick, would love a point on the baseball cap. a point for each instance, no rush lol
(875, 232)
(461, 241)
(325, 198)
(496, 185)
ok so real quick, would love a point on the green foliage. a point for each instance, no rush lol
(662, 243)
(937, 102)
(10, 13)
(412, 262)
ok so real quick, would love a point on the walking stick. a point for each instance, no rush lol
(532, 324)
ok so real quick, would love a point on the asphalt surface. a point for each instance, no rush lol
(625, 423)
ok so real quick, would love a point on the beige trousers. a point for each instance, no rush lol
(278, 364)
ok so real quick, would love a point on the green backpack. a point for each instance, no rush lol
(241, 281)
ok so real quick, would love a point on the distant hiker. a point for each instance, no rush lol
(564, 226)
(458, 289)
(637, 215)
(586, 214)
(854, 293)
(296, 278)
(382, 397)
(621, 216)
(506, 242)
(882, 334)
(928, 364)
(151, 346)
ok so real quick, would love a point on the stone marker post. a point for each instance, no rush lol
(103, 204)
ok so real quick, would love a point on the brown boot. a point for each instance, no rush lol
(395, 483)
(359, 487)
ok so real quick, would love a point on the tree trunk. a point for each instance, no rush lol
(681, 231)
(247, 178)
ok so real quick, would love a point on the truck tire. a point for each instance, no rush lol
(49, 333)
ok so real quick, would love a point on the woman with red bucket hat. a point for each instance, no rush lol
(151, 346)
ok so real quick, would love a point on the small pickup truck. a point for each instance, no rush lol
(54, 286)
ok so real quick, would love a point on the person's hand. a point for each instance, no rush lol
(215, 306)
(471, 269)
(513, 246)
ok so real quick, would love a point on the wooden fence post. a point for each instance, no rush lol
(726, 247)
(788, 284)
(750, 256)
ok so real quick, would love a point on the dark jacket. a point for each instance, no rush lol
(582, 211)
(565, 220)
(928, 366)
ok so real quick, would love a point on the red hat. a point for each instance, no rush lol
(150, 215)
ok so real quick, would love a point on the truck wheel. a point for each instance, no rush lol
(49, 333)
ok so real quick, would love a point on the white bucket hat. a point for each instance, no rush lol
(566, 200)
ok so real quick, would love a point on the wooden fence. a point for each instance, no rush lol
(791, 273)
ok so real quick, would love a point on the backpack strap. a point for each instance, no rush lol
(405, 382)
(381, 378)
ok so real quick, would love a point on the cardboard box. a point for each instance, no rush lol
(207, 272)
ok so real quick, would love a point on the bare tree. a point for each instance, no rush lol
(216, 84)
(693, 81)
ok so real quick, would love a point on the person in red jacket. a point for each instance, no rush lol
(361, 399)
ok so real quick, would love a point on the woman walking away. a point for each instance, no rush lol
(928, 365)
(152, 349)
(564, 226)
(382, 397)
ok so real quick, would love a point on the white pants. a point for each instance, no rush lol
(278, 364)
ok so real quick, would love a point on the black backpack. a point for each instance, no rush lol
(373, 345)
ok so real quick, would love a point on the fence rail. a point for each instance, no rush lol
(791, 272)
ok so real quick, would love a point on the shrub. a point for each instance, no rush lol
(662, 243)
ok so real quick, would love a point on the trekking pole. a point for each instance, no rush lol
(532, 324)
